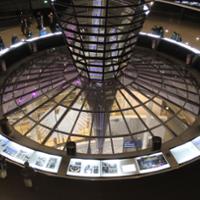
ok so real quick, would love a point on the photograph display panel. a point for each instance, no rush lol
(110, 168)
(196, 142)
(151, 163)
(123, 167)
(87, 168)
(185, 152)
(45, 162)
(3, 142)
(17, 153)
(103, 168)
(128, 167)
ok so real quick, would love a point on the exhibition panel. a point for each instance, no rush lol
(36, 159)
(99, 168)
(152, 163)
(185, 152)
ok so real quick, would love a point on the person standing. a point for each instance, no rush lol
(40, 20)
(21, 18)
(52, 22)
(2, 46)
(14, 39)
(3, 167)
(27, 174)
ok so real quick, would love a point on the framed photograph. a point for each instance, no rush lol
(151, 163)
(84, 167)
(45, 162)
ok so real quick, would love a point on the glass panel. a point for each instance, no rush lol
(176, 125)
(148, 118)
(159, 111)
(42, 111)
(131, 100)
(94, 146)
(138, 95)
(34, 104)
(24, 125)
(38, 133)
(52, 118)
(83, 125)
(118, 144)
(136, 142)
(70, 98)
(57, 140)
(122, 101)
(68, 121)
(82, 146)
(107, 147)
(134, 123)
(163, 132)
(15, 116)
(62, 95)
(187, 117)
(9, 106)
(117, 124)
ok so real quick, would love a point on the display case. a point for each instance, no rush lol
(185, 152)
(45, 162)
(151, 163)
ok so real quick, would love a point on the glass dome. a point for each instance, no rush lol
(49, 102)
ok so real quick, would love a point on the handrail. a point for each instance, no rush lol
(179, 5)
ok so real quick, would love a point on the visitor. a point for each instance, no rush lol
(3, 167)
(39, 20)
(179, 38)
(27, 173)
(158, 30)
(52, 22)
(14, 39)
(2, 46)
(176, 36)
(161, 31)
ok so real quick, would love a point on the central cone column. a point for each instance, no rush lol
(100, 34)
